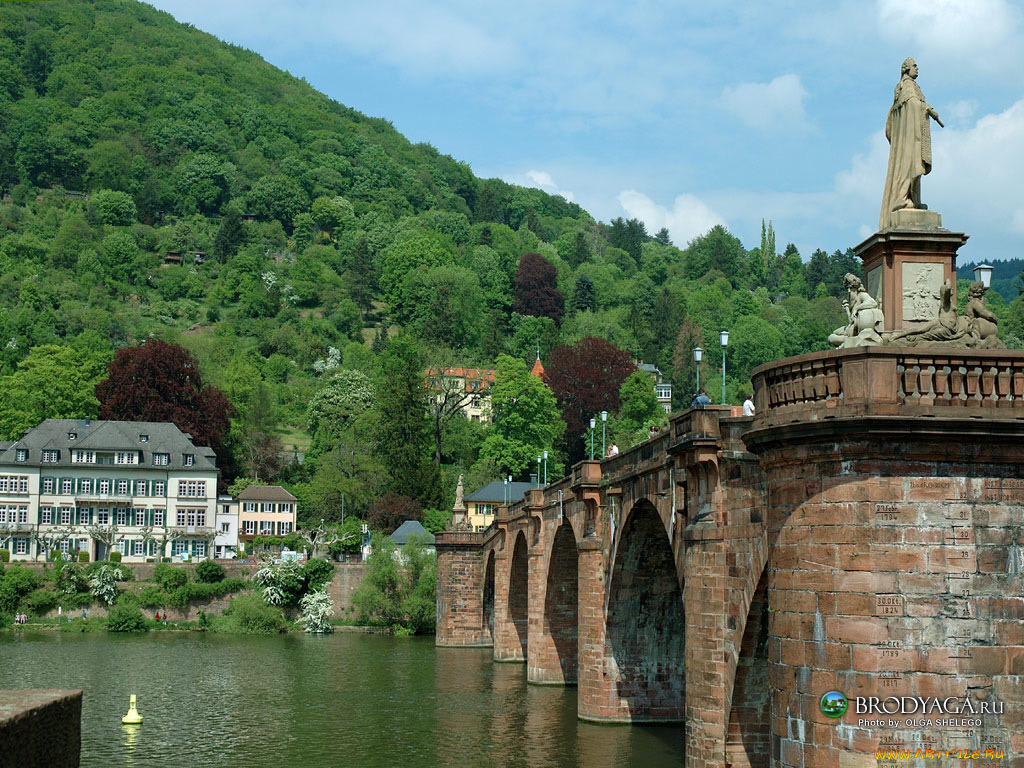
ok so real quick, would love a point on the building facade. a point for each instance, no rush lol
(225, 543)
(482, 504)
(265, 510)
(141, 488)
(662, 388)
(468, 388)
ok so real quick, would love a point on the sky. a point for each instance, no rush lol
(682, 114)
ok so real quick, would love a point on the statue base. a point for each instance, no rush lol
(905, 267)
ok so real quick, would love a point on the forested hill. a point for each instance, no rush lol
(158, 182)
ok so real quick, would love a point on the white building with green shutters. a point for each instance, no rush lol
(142, 488)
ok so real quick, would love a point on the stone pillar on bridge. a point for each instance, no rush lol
(460, 577)
(595, 698)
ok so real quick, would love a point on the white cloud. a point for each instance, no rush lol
(773, 107)
(688, 217)
(541, 180)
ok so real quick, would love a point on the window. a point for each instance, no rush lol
(23, 484)
(3, 514)
(104, 487)
(121, 517)
(46, 515)
(159, 488)
(283, 529)
(199, 548)
(225, 527)
(65, 516)
(140, 487)
(180, 547)
(21, 455)
(67, 485)
(126, 457)
(192, 488)
(64, 546)
(83, 457)
(83, 515)
(72, 435)
(266, 528)
(140, 517)
(85, 485)
(158, 517)
(268, 506)
(161, 459)
(46, 486)
(13, 484)
(3, 484)
(138, 547)
(143, 438)
(249, 506)
(201, 517)
(249, 527)
(50, 457)
(122, 487)
(20, 546)
(484, 509)
(188, 459)
(22, 514)
(181, 518)
(103, 517)
(286, 508)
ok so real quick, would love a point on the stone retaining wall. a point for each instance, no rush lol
(40, 728)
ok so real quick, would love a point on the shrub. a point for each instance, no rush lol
(250, 614)
(209, 572)
(77, 600)
(5, 556)
(103, 583)
(83, 557)
(115, 556)
(169, 578)
(41, 601)
(71, 579)
(317, 572)
(125, 616)
(15, 584)
(398, 591)
(152, 597)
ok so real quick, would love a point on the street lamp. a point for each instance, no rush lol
(593, 423)
(698, 355)
(983, 274)
(545, 467)
(604, 431)
(538, 469)
(723, 336)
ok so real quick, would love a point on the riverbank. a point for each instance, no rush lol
(99, 624)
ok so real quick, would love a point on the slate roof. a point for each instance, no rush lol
(494, 492)
(265, 493)
(101, 435)
(411, 528)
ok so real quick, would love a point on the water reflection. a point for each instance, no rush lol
(304, 701)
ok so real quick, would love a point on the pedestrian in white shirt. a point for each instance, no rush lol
(748, 407)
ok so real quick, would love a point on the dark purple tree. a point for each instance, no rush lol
(535, 291)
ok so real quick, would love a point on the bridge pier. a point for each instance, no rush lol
(554, 611)
(512, 601)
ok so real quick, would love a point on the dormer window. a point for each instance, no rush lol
(143, 438)
(50, 457)
(188, 459)
(161, 459)
(72, 435)
(21, 454)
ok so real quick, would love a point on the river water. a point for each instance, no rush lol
(304, 702)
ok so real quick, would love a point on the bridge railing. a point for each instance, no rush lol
(891, 376)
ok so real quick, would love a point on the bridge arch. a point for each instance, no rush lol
(560, 622)
(488, 600)
(645, 630)
(519, 591)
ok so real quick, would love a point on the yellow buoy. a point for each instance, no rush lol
(133, 717)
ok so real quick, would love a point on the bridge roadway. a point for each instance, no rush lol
(863, 533)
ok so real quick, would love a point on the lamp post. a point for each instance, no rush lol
(983, 274)
(538, 469)
(604, 432)
(545, 467)
(593, 423)
(698, 355)
(723, 337)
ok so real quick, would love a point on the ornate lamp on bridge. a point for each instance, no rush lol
(545, 467)
(698, 355)
(723, 336)
(983, 274)
(604, 431)
(593, 423)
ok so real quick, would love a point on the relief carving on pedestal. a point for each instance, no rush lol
(921, 284)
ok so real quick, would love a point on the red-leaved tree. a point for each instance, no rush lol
(391, 510)
(585, 377)
(535, 292)
(157, 381)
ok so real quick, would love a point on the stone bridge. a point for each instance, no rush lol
(863, 533)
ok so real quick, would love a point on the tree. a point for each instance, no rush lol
(157, 381)
(116, 208)
(390, 511)
(448, 396)
(399, 589)
(586, 378)
(404, 430)
(525, 420)
(663, 237)
(752, 343)
(230, 235)
(362, 276)
(346, 396)
(583, 298)
(717, 249)
(534, 292)
(259, 447)
(629, 236)
(277, 197)
(52, 382)
(639, 411)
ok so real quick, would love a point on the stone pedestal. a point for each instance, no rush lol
(904, 268)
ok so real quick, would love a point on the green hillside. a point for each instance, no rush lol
(159, 182)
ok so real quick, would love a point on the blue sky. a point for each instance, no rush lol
(681, 114)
